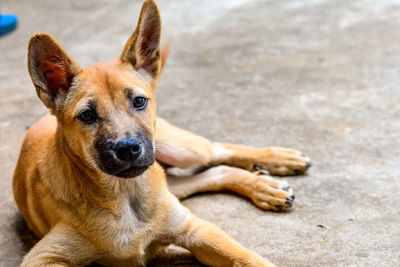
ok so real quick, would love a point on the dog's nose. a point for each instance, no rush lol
(128, 149)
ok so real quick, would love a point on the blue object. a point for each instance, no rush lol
(8, 23)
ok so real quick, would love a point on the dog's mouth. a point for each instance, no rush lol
(120, 169)
(124, 171)
(132, 171)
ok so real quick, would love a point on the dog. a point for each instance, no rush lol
(90, 178)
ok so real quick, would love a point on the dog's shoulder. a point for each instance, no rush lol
(40, 132)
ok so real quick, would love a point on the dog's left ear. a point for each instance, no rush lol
(142, 50)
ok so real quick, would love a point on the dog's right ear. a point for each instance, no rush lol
(50, 67)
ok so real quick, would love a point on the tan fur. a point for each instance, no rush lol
(81, 213)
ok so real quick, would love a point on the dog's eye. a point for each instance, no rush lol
(88, 116)
(139, 102)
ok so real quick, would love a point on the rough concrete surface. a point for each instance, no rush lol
(316, 75)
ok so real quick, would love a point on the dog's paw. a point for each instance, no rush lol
(280, 161)
(271, 194)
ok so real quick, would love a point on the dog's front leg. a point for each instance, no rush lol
(209, 244)
(213, 247)
(62, 246)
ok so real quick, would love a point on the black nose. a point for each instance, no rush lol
(128, 149)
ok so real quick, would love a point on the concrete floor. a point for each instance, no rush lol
(319, 76)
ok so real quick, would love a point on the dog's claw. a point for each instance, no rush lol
(289, 200)
(308, 164)
(297, 172)
(286, 188)
(263, 172)
(257, 167)
(279, 207)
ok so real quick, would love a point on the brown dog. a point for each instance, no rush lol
(87, 182)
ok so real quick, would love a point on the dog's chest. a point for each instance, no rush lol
(125, 234)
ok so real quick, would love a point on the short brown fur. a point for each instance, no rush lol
(84, 214)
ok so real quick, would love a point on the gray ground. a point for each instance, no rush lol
(319, 76)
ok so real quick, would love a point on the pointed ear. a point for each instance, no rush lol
(50, 67)
(142, 50)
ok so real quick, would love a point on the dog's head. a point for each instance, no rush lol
(105, 112)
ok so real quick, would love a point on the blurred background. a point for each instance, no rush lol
(320, 76)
